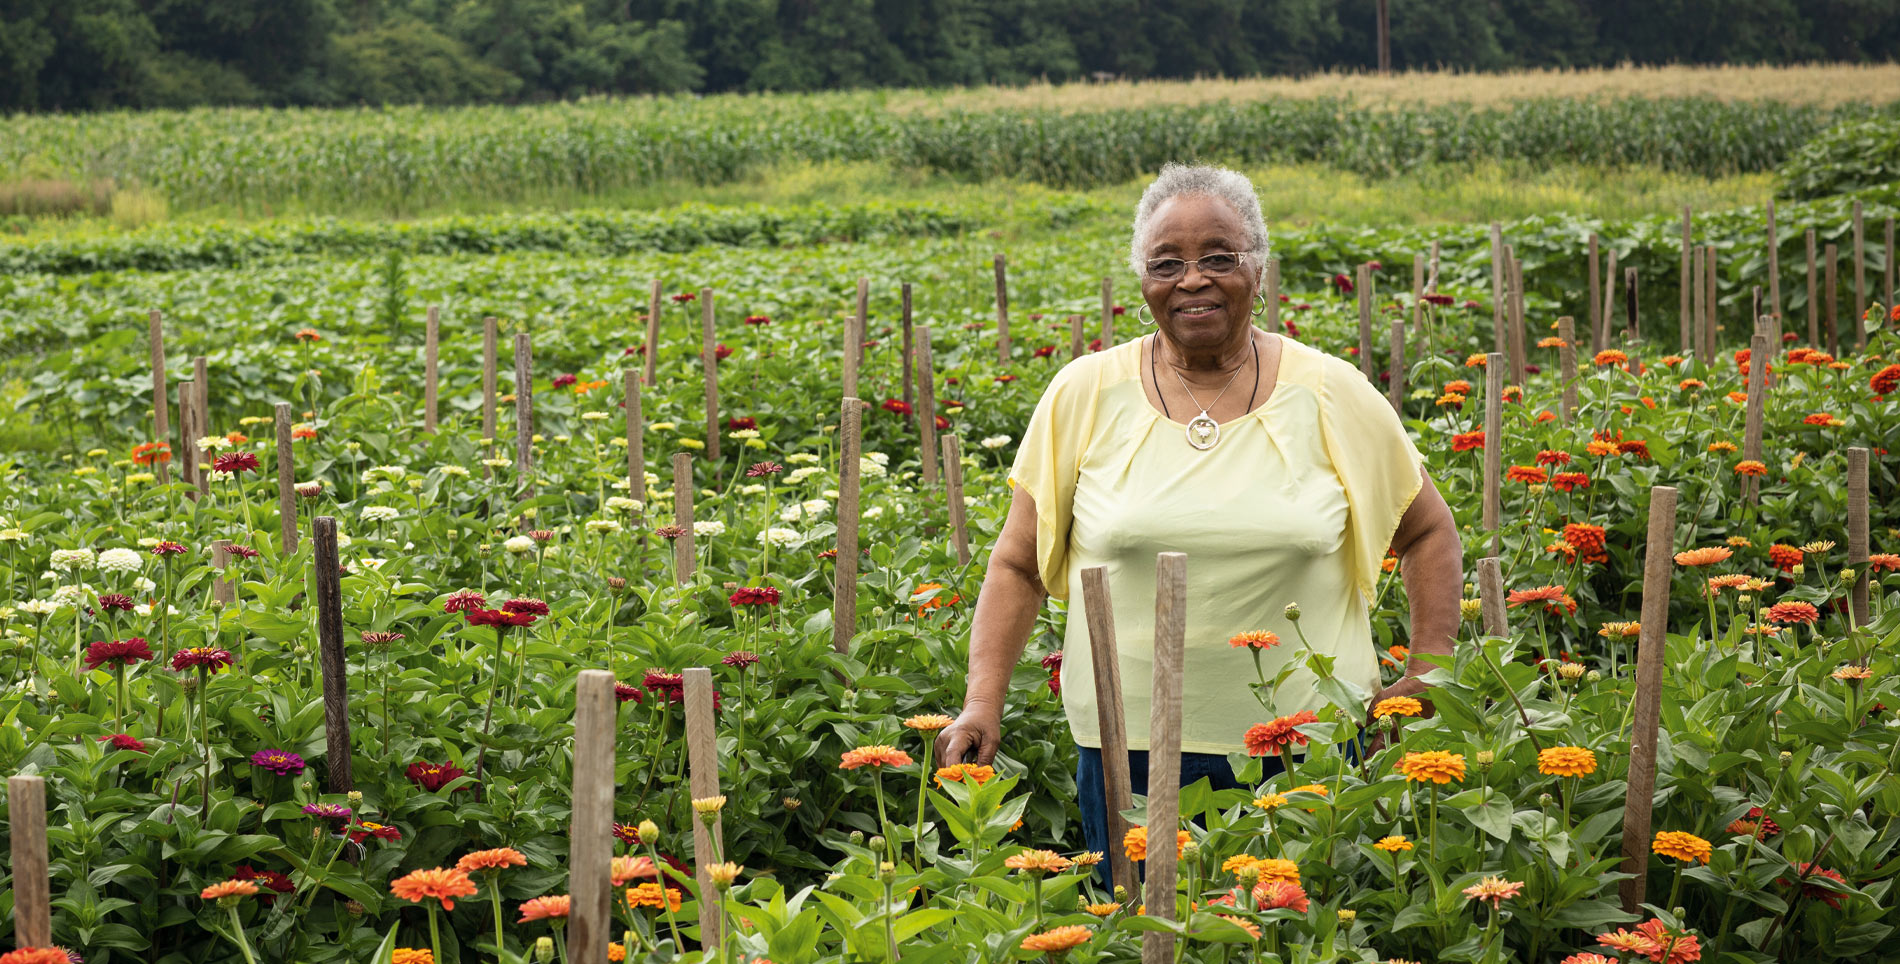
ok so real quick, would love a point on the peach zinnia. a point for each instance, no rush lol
(929, 722)
(542, 908)
(1793, 613)
(1497, 890)
(1707, 556)
(1280, 894)
(1751, 467)
(437, 883)
(878, 755)
(491, 860)
(1566, 761)
(1135, 843)
(229, 888)
(1059, 940)
(1038, 862)
(1437, 766)
(975, 773)
(1266, 739)
(628, 868)
(1254, 639)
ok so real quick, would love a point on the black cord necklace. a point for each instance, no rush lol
(1155, 343)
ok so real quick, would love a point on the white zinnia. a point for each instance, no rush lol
(380, 513)
(121, 560)
(709, 527)
(68, 560)
(995, 442)
(621, 503)
(753, 489)
(796, 476)
(878, 457)
(870, 469)
(603, 526)
(519, 545)
(39, 607)
(781, 537)
(799, 458)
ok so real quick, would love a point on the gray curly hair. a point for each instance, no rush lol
(1176, 180)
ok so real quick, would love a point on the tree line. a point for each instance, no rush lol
(71, 55)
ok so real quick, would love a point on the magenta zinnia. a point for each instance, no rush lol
(754, 596)
(117, 653)
(204, 657)
(233, 462)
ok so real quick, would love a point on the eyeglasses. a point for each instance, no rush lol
(1218, 264)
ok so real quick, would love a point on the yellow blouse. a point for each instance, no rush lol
(1296, 504)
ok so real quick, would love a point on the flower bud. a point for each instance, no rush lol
(876, 842)
(1545, 800)
(1347, 916)
(1593, 676)
(356, 797)
(1471, 610)
(1485, 758)
(1797, 569)
(616, 583)
(544, 949)
(1744, 599)
(649, 832)
(792, 803)
(353, 908)
(1847, 575)
(708, 807)
(1190, 850)
(856, 837)
(307, 786)
(722, 875)
(1786, 758)
(1292, 612)
(886, 870)
(1121, 892)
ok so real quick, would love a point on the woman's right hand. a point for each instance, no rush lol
(973, 738)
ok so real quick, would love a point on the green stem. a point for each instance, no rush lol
(494, 898)
(435, 933)
(923, 787)
(237, 933)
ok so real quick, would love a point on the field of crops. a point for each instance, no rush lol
(187, 704)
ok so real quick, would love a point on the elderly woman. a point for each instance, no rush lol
(1279, 470)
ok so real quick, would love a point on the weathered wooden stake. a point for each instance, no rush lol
(1640, 800)
(1273, 296)
(223, 591)
(926, 408)
(1395, 367)
(910, 384)
(1709, 300)
(431, 356)
(685, 561)
(188, 435)
(1814, 307)
(286, 482)
(1002, 311)
(1688, 245)
(1515, 337)
(653, 330)
(702, 764)
(1860, 278)
(1774, 268)
(1830, 279)
(1634, 333)
(1418, 290)
(201, 397)
(161, 396)
(330, 655)
(863, 317)
(1108, 309)
(1493, 446)
(1593, 293)
(1858, 543)
(1699, 308)
(844, 600)
(1757, 395)
(953, 497)
(1890, 266)
(1567, 366)
(1497, 620)
(1076, 345)
(32, 881)
(1609, 300)
(590, 847)
(1164, 751)
(709, 363)
(524, 412)
(1104, 657)
(1497, 287)
(1365, 320)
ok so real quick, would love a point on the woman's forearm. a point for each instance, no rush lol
(1005, 613)
(1433, 570)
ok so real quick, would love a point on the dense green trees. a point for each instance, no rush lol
(87, 54)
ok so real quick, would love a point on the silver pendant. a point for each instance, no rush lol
(1203, 432)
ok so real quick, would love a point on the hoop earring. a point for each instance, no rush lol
(1260, 304)
(1149, 319)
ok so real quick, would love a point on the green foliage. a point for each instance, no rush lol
(410, 62)
(1850, 156)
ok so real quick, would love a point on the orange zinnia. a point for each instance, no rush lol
(1058, 941)
(1274, 868)
(1397, 706)
(1792, 613)
(437, 883)
(1497, 890)
(1038, 862)
(35, 955)
(1566, 761)
(1553, 596)
(955, 772)
(229, 888)
(491, 860)
(1280, 894)
(1610, 356)
(542, 908)
(1135, 843)
(1266, 739)
(624, 869)
(649, 895)
(1751, 467)
(1254, 639)
(1527, 474)
(1393, 844)
(875, 756)
(1686, 847)
(1436, 766)
(1707, 556)
(929, 722)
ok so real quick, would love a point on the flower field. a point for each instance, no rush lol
(173, 697)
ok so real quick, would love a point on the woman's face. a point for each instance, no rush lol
(1196, 311)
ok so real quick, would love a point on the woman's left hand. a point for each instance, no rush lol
(1409, 686)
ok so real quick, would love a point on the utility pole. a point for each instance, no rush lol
(1385, 36)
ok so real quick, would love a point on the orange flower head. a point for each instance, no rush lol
(35, 955)
(1038, 862)
(1497, 890)
(1784, 558)
(1135, 843)
(1393, 844)
(1620, 630)
(1103, 910)
(434, 883)
(1629, 942)
(1751, 468)
(1853, 673)
(1793, 613)
(1566, 761)
(652, 895)
(544, 908)
(1670, 947)
(1254, 639)
(1252, 929)
(1527, 474)
(1058, 941)
(1280, 895)
(1610, 356)
(1397, 706)
(975, 773)
(929, 722)
(1273, 868)
(877, 755)
(1436, 766)
(497, 859)
(1266, 739)
(229, 888)
(1553, 597)
(412, 955)
(628, 868)
(1706, 556)
(1686, 847)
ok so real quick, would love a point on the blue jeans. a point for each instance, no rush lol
(1091, 790)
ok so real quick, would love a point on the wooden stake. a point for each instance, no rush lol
(1641, 797)
(910, 385)
(1395, 368)
(1002, 312)
(653, 330)
(926, 408)
(431, 355)
(201, 400)
(1104, 656)
(1164, 751)
(1688, 282)
(223, 591)
(1890, 266)
(709, 363)
(1609, 300)
(1757, 392)
(1634, 332)
(1858, 544)
(844, 600)
(1493, 446)
(188, 435)
(1593, 294)
(848, 355)
(1365, 321)
(863, 317)
(1567, 364)
(685, 562)
(1774, 268)
(1696, 339)
(524, 412)
(1514, 317)
(336, 681)
(953, 497)
(491, 351)
(1076, 345)
(161, 396)
(1860, 279)
(1497, 621)
(1273, 296)
(636, 438)
(1418, 290)
(1814, 307)
(1831, 258)
(32, 881)
(590, 847)
(1709, 300)
(1497, 287)
(286, 483)
(702, 764)
(1108, 309)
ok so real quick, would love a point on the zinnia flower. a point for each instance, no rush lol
(1266, 739)
(497, 859)
(207, 657)
(1610, 356)
(650, 895)
(1279, 895)
(1527, 474)
(1497, 890)
(975, 773)
(1784, 558)
(327, 811)
(1669, 947)
(525, 604)
(464, 600)
(229, 888)
(877, 755)
(1393, 844)
(121, 652)
(754, 596)
(1554, 598)
(543, 908)
(123, 741)
(231, 463)
(1438, 766)
(281, 762)
(1465, 441)
(1566, 761)
(1751, 467)
(740, 659)
(1707, 556)
(433, 776)
(1808, 871)
(1686, 847)
(434, 883)
(1038, 861)
(1135, 843)
(1254, 639)
(1397, 706)
(1059, 940)
(1792, 613)
(928, 722)
(627, 868)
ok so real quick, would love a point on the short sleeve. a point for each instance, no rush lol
(1048, 462)
(1377, 463)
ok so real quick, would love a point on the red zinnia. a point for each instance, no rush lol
(116, 600)
(1266, 739)
(433, 776)
(1568, 481)
(464, 600)
(1555, 599)
(1809, 871)
(1465, 441)
(123, 741)
(754, 596)
(234, 462)
(1792, 613)
(1527, 474)
(525, 604)
(1553, 458)
(207, 657)
(149, 452)
(497, 617)
(1886, 380)
(897, 405)
(120, 652)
